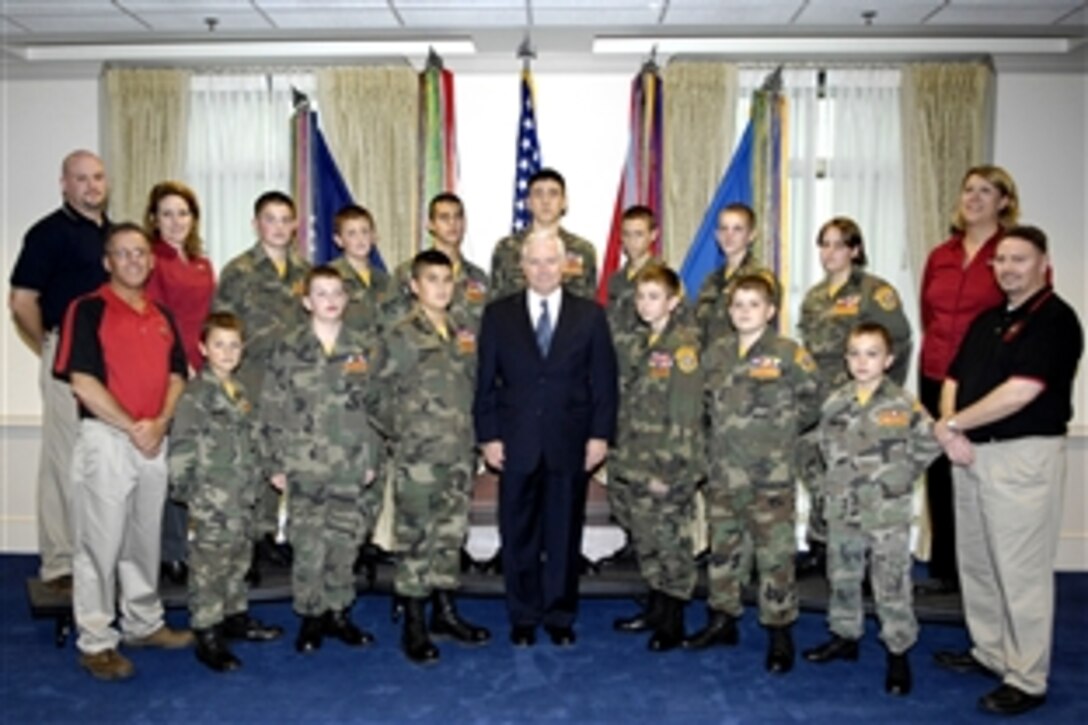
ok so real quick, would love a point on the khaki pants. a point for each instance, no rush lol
(1008, 516)
(117, 497)
(59, 426)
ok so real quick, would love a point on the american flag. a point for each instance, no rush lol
(528, 155)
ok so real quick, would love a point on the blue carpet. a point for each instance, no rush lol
(606, 677)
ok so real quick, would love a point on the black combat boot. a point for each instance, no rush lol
(309, 634)
(446, 621)
(720, 629)
(836, 648)
(645, 620)
(338, 624)
(251, 629)
(415, 642)
(898, 681)
(669, 629)
(212, 650)
(779, 650)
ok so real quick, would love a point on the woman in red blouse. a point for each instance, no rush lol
(957, 285)
(184, 282)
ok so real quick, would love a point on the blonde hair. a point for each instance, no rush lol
(1002, 181)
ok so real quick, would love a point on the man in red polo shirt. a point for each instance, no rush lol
(123, 357)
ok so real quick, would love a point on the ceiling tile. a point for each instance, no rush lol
(1006, 15)
(189, 6)
(9, 28)
(595, 16)
(113, 22)
(314, 19)
(462, 18)
(321, 5)
(730, 12)
(13, 8)
(192, 21)
(848, 12)
(1078, 18)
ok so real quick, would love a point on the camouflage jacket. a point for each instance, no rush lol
(423, 387)
(711, 307)
(470, 286)
(661, 431)
(826, 321)
(212, 458)
(579, 269)
(874, 453)
(313, 405)
(365, 302)
(758, 404)
(269, 306)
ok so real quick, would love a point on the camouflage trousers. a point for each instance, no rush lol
(430, 518)
(765, 515)
(811, 470)
(267, 508)
(619, 502)
(217, 580)
(661, 532)
(888, 549)
(328, 520)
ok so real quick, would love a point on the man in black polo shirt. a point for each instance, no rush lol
(1005, 405)
(61, 259)
(123, 357)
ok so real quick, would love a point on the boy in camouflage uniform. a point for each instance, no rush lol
(847, 296)
(213, 470)
(736, 234)
(317, 443)
(761, 393)
(367, 286)
(547, 202)
(446, 225)
(422, 398)
(262, 286)
(876, 440)
(660, 453)
(639, 233)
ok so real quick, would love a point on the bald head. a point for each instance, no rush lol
(83, 183)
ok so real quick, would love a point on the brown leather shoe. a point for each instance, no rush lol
(107, 665)
(164, 638)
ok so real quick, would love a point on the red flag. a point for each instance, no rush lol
(640, 181)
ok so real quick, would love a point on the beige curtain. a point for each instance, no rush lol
(700, 112)
(147, 120)
(948, 111)
(370, 116)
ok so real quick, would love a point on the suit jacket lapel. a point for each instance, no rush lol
(564, 324)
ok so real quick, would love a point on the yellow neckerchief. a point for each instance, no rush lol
(457, 267)
(633, 269)
(864, 396)
(281, 267)
(231, 389)
(364, 275)
(834, 290)
(327, 348)
(441, 329)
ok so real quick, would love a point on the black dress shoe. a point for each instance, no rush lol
(1009, 700)
(779, 650)
(836, 648)
(492, 565)
(898, 680)
(275, 553)
(176, 571)
(250, 629)
(962, 662)
(523, 636)
(309, 634)
(812, 562)
(561, 636)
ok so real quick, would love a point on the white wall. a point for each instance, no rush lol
(1040, 138)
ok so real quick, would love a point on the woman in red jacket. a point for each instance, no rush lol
(183, 281)
(957, 285)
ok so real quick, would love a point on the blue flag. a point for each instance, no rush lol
(330, 195)
(528, 153)
(704, 256)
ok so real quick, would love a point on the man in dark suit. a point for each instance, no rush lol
(545, 411)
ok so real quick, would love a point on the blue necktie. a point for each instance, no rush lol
(544, 329)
